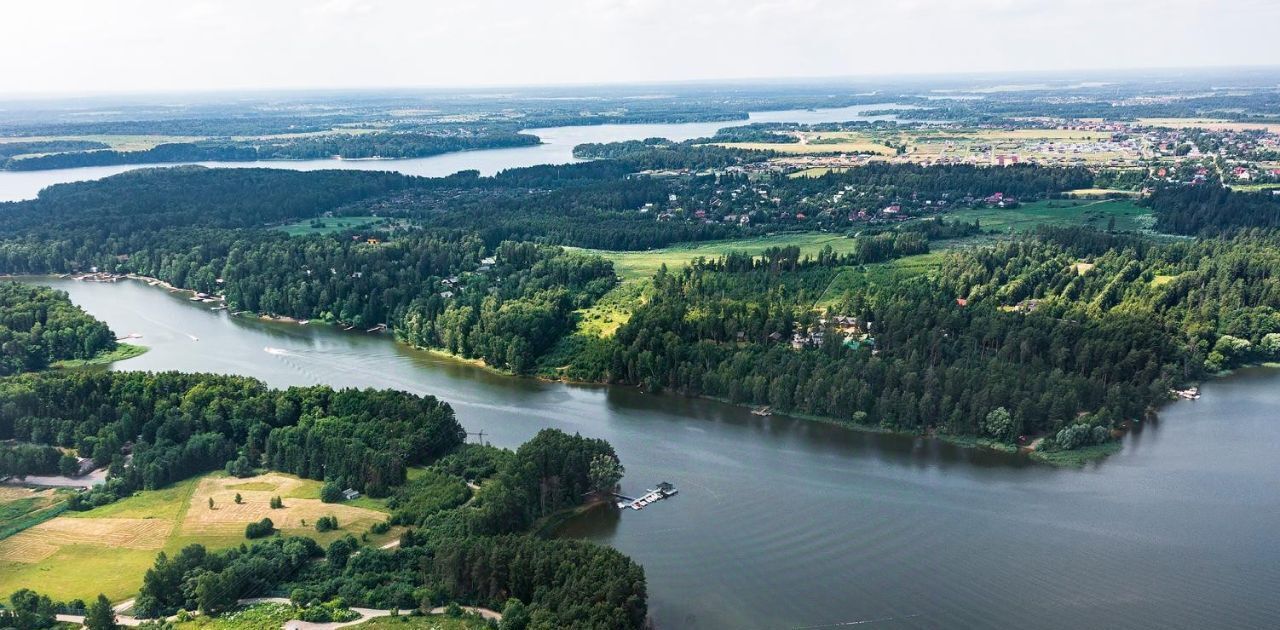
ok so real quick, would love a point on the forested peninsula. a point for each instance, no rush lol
(458, 544)
(1058, 336)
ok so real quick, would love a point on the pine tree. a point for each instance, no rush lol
(100, 616)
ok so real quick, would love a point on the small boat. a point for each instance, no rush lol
(762, 411)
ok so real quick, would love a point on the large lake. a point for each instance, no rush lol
(783, 523)
(556, 148)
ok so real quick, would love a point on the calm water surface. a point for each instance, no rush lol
(791, 524)
(556, 148)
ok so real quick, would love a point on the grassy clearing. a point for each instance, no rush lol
(424, 622)
(122, 352)
(265, 616)
(1128, 215)
(851, 145)
(167, 504)
(116, 142)
(1079, 456)
(22, 508)
(817, 171)
(107, 549)
(879, 273)
(632, 266)
(1098, 193)
(1254, 187)
(328, 225)
(612, 310)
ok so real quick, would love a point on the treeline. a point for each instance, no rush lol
(118, 214)
(20, 460)
(1074, 328)
(1211, 210)
(178, 425)
(11, 150)
(955, 181)
(474, 554)
(193, 229)
(660, 153)
(348, 146)
(39, 326)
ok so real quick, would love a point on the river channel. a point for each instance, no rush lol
(784, 523)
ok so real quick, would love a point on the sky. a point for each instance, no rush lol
(97, 46)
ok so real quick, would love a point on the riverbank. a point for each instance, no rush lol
(1192, 488)
(1074, 458)
(123, 351)
(547, 526)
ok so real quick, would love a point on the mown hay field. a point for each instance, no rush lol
(108, 549)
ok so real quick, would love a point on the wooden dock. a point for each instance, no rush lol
(663, 491)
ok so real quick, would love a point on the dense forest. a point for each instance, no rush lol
(173, 426)
(1211, 209)
(453, 265)
(197, 228)
(1067, 335)
(39, 326)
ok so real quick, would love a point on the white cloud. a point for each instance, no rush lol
(125, 45)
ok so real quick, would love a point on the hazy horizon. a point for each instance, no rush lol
(78, 47)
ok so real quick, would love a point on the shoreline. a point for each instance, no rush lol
(123, 352)
(1074, 458)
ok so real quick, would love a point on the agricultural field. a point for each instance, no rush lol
(107, 549)
(959, 145)
(820, 142)
(21, 508)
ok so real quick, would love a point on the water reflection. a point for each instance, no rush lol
(786, 523)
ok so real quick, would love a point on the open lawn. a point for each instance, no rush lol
(328, 225)
(632, 266)
(107, 549)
